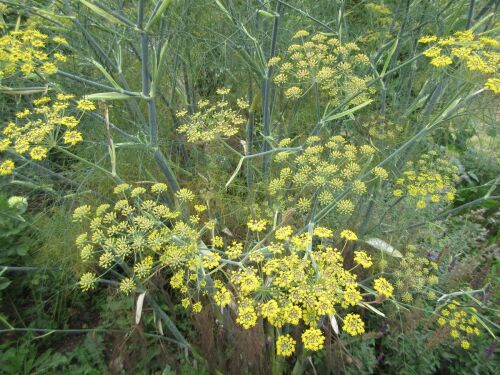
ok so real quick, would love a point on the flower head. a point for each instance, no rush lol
(383, 287)
(127, 285)
(6, 167)
(85, 105)
(313, 339)
(363, 259)
(87, 281)
(285, 345)
(257, 225)
(348, 235)
(353, 324)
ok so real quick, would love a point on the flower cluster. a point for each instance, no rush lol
(353, 324)
(322, 170)
(212, 120)
(428, 181)
(291, 283)
(385, 132)
(139, 235)
(381, 17)
(26, 51)
(461, 321)
(285, 345)
(336, 68)
(363, 259)
(379, 8)
(383, 287)
(298, 279)
(478, 54)
(414, 275)
(35, 131)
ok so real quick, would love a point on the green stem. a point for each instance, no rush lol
(266, 103)
(160, 158)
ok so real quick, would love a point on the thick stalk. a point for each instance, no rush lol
(151, 104)
(266, 103)
(471, 14)
(249, 141)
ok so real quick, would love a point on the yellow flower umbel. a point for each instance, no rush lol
(247, 316)
(139, 231)
(333, 66)
(414, 276)
(257, 225)
(475, 52)
(313, 339)
(127, 286)
(348, 235)
(322, 232)
(6, 167)
(462, 322)
(34, 132)
(285, 345)
(85, 105)
(29, 51)
(363, 259)
(383, 287)
(283, 233)
(353, 325)
(493, 84)
(427, 182)
(211, 121)
(87, 281)
(323, 168)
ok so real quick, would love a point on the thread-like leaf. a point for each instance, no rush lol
(223, 8)
(155, 16)
(101, 12)
(347, 112)
(266, 14)
(389, 57)
(159, 69)
(106, 74)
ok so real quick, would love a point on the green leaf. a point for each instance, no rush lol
(347, 112)
(101, 12)
(157, 13)
(389, 57)
(223, 8)
(110, 96)
(159, 69)
(106, 74)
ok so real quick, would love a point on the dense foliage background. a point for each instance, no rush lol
(229, 161)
